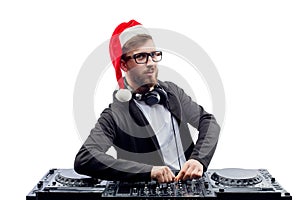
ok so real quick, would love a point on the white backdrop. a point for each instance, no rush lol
(255, 46)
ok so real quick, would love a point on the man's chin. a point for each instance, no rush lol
(143, 89)
(146, 87)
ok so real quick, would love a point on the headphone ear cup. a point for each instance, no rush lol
(152, 98)
(163, 95)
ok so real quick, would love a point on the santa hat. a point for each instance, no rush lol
(123, 32)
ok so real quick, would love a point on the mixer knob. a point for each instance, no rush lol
(169, 190)
(180, 191)
(193, 184)
(157, 191)
(146, 190)
(134, 191)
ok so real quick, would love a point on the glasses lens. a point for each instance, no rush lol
(140, 58)
(156, 56)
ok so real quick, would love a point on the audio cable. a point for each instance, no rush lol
(174, 133)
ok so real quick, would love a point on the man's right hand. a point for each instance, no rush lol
(162, 174)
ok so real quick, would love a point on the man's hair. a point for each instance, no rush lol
(134, 43)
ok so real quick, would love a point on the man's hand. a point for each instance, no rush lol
(192, 169)
(162, 174)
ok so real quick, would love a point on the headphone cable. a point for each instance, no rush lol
(168, 107)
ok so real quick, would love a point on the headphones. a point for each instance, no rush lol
(156, 96)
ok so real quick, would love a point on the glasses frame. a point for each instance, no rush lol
(151, 54)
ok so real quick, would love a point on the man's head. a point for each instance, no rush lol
(132, 49)
(139, 62)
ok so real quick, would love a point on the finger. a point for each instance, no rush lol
(160, 178)
(196, 173)
(160, 175)
(169, 176)
(183, 171)
(187, 175)
(171, 173)
(179, 176)
(165, 175)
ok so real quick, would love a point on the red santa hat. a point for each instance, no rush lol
(123, 32)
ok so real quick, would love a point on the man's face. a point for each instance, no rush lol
(138, 75)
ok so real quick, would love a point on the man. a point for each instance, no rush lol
(147, 122)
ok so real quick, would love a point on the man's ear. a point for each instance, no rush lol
(123, 65)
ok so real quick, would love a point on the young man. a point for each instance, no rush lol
(147, 122)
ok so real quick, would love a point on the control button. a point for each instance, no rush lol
(206, 184)
(273, 179)
(40, 184)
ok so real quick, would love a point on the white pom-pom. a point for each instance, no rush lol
(123, 95)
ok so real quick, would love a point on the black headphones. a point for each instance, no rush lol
(156, 96)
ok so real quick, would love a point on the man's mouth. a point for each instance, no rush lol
(149, 72)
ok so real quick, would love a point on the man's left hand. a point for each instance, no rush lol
(192, 169)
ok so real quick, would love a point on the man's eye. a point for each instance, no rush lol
(157, 53)
(140, 56)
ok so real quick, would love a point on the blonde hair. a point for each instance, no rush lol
(134, 43)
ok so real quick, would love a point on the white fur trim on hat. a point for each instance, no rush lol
(123, 95)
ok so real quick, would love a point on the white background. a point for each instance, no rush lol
(255, 46)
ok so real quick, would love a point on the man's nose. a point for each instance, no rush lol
(150, 62)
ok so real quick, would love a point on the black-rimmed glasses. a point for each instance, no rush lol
(142, 58)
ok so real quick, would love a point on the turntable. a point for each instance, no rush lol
(66, 184)
(69, 178)
(228, 183)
